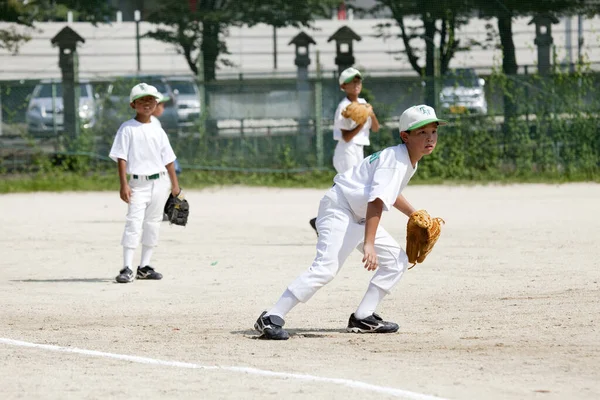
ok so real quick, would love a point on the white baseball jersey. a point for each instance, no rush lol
(340, 222)
(362, 137)
(155, 120)
(383, 175)
(145, 147)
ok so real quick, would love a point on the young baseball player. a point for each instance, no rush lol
(351, 137)
(142, 151)
(348, 218)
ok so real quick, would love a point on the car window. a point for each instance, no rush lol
(183, 87)
(461, 81)
(160, 87)
(461, 78)
(46, 90)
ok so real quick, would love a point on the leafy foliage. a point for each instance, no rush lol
(202, 31)
(23, 16)
(451, 14)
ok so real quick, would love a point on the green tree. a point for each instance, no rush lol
(22, 15)
(15, 34)
(440, 22)
(206, 27)
(504, 11)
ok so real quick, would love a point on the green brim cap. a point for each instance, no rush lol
(139, 96)
(427, 122)
(348, 74)
(351, 78)
(142, 90)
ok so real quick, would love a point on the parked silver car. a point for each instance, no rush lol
(188, 99)
(462, 92)
(45, 111)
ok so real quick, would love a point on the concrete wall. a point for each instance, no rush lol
(110, 50)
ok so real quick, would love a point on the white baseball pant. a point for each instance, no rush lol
(340, 232)
(347, 155)
(145, 211)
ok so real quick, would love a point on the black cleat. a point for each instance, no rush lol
(148, 273)
(313, 223)
(125, 276)
(271, 327)
(372, 324)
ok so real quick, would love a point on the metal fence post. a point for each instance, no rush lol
(54, 129)
(319, 114)
(526, 94)
(202, 92)
(0, 110)
(137, 18)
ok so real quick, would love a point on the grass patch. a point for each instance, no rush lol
(63, 181)
(107, 180)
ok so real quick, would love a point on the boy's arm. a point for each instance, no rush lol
(348, 135)
(402, 205)
(374, 121)
(125, 191)
(175, 189)
(374, 211)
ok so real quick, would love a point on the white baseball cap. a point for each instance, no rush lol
(348, 74)
(143, 89)
(418, 116)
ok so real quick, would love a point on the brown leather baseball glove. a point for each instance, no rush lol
(357, 112)
(422, 232)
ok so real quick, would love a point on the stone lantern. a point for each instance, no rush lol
(68, 61)
(344, 37)
(543, 40)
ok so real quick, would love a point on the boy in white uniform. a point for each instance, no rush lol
(348, 218)
(351, 137)
(142, 151)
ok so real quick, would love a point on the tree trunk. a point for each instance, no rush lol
(509, 63)
(210, 50)
(210, 53)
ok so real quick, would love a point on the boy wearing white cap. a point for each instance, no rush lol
(142, 151)
(351, 137)
(348, 218)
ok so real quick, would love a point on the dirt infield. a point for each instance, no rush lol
(506, 307)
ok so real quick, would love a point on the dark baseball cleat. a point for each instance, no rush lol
(313, 223)
(125, 276)
(271, 327)
(372, 324)
(148, 273)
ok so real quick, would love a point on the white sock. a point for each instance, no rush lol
(284, 305)
(146, 255)
(370, 302)
(128, 257)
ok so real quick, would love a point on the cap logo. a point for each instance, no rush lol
(424, 110)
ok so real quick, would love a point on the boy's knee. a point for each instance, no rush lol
(326, 276)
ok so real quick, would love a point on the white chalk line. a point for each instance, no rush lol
(247, 370)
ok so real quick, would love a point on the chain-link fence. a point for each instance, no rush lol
(279, 125)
